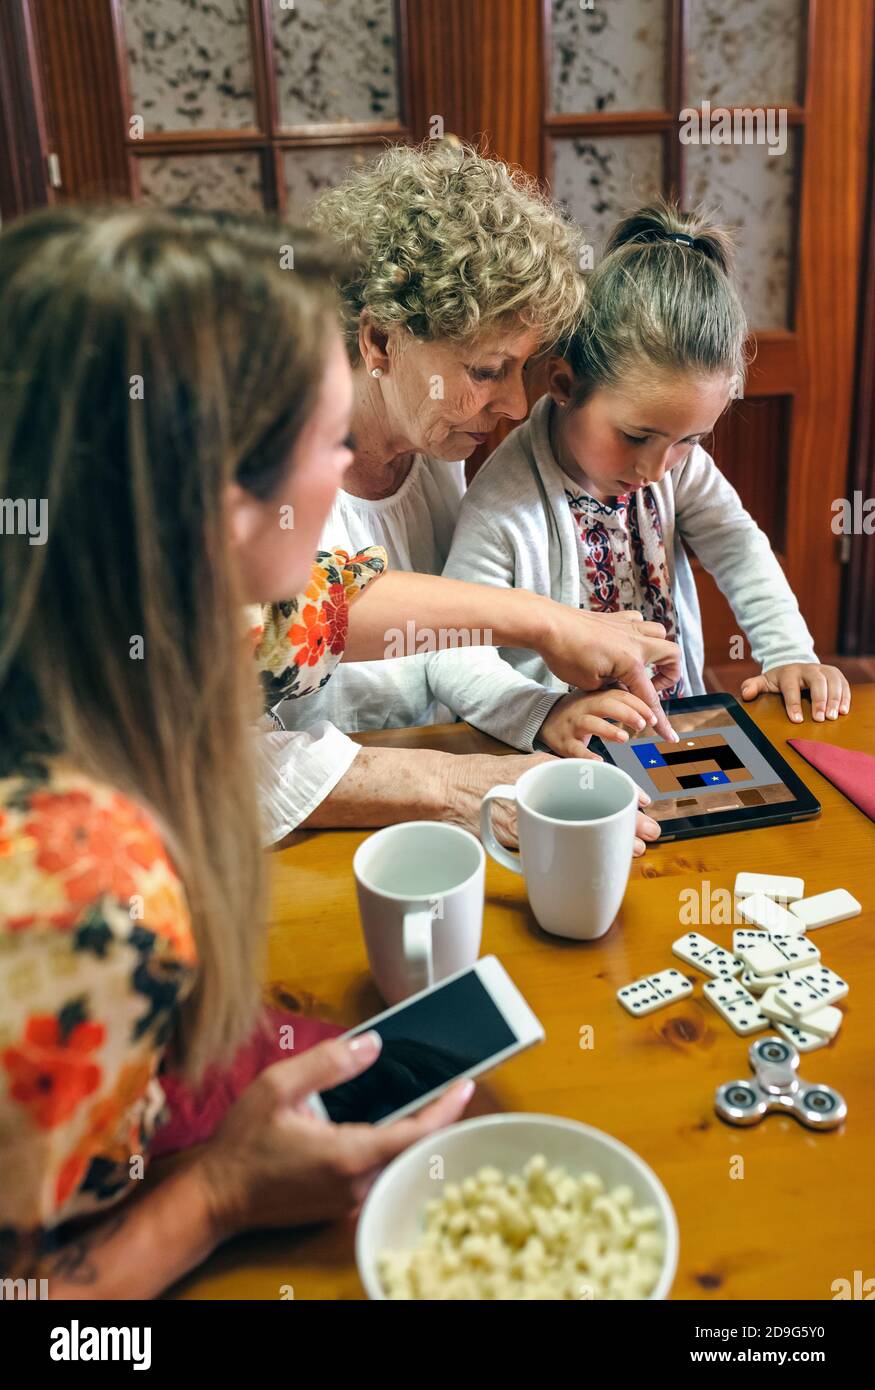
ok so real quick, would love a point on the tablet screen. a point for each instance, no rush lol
(714, 768)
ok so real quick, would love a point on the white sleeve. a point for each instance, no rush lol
(730, 545)
(480, 687)
(295, 771)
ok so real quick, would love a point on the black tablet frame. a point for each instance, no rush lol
(804, 806)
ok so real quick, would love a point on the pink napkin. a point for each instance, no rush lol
(852, 772)
(195, 1115)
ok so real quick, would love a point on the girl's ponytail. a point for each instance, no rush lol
(663, 221)
(663, 296)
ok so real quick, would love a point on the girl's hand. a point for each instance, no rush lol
(575, 718)
(274, 1163)
(590, 650)
(830, 692)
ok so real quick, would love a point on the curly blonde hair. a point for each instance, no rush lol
(447, 242)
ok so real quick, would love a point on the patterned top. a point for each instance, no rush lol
(97, 951)
(622, 560)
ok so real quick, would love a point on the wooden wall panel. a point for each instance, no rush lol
(751, 447)
(501, 93)
(78, 41)
(23, 180)
(858, 596)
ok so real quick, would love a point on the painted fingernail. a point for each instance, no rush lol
(365, 1043)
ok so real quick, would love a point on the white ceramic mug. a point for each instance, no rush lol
(420, 893)
(576, 823)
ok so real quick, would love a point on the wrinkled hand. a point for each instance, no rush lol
(469, 777)
(830, 692)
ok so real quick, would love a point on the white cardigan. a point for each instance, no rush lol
(515, 530)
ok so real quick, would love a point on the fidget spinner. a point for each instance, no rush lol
(776, 1086)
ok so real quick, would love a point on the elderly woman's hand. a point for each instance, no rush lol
(385, 786)
(468, 777)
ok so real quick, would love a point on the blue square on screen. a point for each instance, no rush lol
(710, 778)
(648, 756)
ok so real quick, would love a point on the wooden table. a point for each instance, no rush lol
(802, 1215)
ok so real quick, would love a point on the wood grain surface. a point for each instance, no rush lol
(801, 1216)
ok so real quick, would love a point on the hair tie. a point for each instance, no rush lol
(650, 236)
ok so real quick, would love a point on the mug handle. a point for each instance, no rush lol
(505, 792)
(418, 962)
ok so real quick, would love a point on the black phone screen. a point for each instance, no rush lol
(425, 1045)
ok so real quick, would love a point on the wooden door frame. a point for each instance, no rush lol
(835, 176)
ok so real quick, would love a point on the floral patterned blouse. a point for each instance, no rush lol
(97, 951)
(622, 560)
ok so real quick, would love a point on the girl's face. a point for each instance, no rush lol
(444, 398)
(276, 539)
(623, 438)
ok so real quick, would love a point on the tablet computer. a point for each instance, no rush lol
(724, 774)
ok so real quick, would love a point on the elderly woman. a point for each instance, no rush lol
(464, 272)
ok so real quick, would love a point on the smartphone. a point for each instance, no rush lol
(463, 1026)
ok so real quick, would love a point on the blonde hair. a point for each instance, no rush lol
(229, 349)
(664, 296)
(448, 242)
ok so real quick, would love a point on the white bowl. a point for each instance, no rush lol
(392, 1214)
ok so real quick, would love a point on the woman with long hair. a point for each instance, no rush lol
(172, 400)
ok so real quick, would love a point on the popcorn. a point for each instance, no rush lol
(536, 1235)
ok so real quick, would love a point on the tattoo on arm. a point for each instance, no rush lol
(74, 1261)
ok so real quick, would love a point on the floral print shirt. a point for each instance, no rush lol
(97, 951)
(622, 560)
(298, 644)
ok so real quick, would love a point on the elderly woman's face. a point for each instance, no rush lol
(445, 398)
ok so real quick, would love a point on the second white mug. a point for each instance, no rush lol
(576, 822)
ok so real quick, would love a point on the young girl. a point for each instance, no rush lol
(594, 498)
